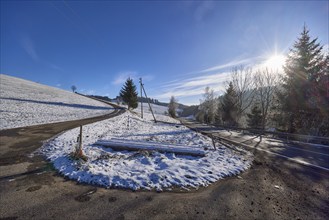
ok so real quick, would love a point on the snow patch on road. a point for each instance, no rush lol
(142, 170)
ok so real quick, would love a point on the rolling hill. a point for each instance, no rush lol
(25, 103)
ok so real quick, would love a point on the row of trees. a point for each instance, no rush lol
(296, 101)
(246, 91)
(129, 96)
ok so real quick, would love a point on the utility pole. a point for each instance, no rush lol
(148, 101)
(141, 84)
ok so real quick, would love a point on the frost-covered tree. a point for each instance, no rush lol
(303, 100)
(172, 107)
(129, 94)
(207, 108)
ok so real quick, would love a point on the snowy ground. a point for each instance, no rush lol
(266, 139)
(142, 170)
(157, 109)
(25, 103)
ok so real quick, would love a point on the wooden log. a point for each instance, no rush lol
(131, 145)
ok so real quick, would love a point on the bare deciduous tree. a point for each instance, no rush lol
(243, 84)
(266, 84)
(74, 88)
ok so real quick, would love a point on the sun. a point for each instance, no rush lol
(275, 62)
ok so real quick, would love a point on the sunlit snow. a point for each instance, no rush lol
(25, 103)
(143, 170)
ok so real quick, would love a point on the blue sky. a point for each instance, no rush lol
(178, 47)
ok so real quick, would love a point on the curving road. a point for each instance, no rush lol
(17, 143)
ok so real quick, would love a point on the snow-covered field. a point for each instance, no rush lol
(157, 109)
(25, 103)
(142, 170)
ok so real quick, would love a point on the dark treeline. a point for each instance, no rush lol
(154, 101)
(105, 98)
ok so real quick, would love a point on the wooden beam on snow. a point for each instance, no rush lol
(131, 145)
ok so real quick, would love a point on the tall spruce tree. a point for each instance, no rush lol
(129, 94)
(304, 70)
(229, 106)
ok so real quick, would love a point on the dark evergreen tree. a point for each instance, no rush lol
(322, 98)
(254, 119)
(129, 94)
(229, 108)
(300, 99)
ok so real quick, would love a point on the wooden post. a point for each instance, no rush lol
(80, 142)
(141, 84)
(213, 142)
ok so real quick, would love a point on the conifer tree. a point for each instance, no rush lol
(254, 119)
(304, 69)
(129, 94)
(229, 106)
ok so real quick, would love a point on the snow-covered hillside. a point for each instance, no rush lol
(25, 103)
(157, 109)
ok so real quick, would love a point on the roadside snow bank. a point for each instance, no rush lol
(25, 103)
(142, 170)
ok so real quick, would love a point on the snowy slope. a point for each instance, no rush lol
(25, 103)
(139, 169)
(157, 109)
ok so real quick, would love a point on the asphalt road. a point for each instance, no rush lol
(304, 153)
(273, 188)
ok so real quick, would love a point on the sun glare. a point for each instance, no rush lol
(275, 62)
